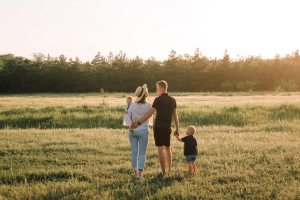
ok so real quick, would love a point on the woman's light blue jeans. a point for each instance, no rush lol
(138, 142)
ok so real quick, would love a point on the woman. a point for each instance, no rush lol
(138, 137)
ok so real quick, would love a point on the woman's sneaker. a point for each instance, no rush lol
(139, 177)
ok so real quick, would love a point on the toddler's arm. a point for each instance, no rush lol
(177, 137)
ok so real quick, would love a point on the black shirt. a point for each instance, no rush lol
(164, 105)
(190, 145)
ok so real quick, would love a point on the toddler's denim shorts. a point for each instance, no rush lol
(190, 158)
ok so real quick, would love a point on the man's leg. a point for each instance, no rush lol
(161, 158)
(169, 158)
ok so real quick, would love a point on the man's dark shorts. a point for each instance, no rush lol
(162, 137)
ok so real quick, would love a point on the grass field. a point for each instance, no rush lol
(117, 99)
(66, 149)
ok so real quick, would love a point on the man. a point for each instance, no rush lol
(165, 107)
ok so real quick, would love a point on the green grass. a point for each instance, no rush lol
(61, 117)
(111, 117)
(152, 93)
(233, 163)
(82, 152)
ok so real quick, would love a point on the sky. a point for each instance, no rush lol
(149, 28)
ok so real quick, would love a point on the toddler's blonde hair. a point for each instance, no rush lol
(192, 128)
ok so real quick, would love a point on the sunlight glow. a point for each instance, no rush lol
(149, 28)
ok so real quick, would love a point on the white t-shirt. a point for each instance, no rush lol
(135, 112)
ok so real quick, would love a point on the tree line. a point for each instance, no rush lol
(118, 73)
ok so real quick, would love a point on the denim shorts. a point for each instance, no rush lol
(190, 158)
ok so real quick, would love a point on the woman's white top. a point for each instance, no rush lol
(135, 112)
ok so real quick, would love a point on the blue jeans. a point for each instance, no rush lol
(138, 142)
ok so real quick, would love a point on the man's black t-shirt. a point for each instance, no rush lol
(164, 105)
(190, 145)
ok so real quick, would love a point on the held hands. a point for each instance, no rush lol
(176, 133)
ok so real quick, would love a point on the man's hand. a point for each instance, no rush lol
(134, 125)
(176, 133)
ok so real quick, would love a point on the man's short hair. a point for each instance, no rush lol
(163, 84)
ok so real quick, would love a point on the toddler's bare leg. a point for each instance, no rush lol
(190, 165)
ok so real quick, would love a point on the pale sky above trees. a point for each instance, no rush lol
(149, 28)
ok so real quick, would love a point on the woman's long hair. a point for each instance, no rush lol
(143, 99)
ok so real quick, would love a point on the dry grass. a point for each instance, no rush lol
(258, 160)
(196, 99)
(233, 163)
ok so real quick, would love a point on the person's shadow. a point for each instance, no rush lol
(134, 188)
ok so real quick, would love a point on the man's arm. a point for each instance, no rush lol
(175, 117)
(144, 118)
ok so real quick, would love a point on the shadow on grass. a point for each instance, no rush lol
(74, 192)
(133, 188)
(228, 179)
(43, 177)
(50, 151)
